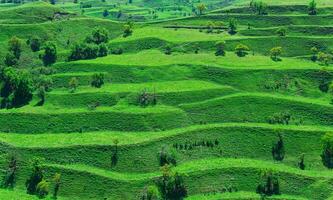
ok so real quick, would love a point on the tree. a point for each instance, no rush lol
(168, 50)
(42, 189)
(301, 164)
(106, 13)
(242, 50)
(150, 193)
(258, 7)
(268, 185)
(15, 47)
(201, 8)
(35, 44)
(220, 46)
(98, 36)
(114, 157)
(87, 51)
(10, 59)
(73, 84)
(232, 26)
(327, 153)
(166, 157)
(278, 150)
(41, 93)
(9, 179)
(57, 182)
(17, 88)
(50, 53)
(275, 52)
(312, 8)
(281, 32)
(314, 56)
(35, 178)
(97, 80)
(102, 50)
(171, 185)
(324, 58)
(127, 30)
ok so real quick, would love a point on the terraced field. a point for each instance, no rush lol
(216, 119)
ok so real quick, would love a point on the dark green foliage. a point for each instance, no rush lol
(232, 26)
(50, 53)
(325, 78)
(97, 80)
(35, 44)
(35, 178)
(315, 52)
(242, 50)
(269, 184)
(87, 51)
(327, 153)
(41, 93)
(275, 52)
(10, 176)
(98, 36)
(73, 84)
(278, 150)
(115, 156)
(10, 59)
(106, 13)
(301, 163)
(15, 47)
(166, 157)
(220, 48)
(280, 118)
(171, 185)
(17, 88)
(312, 8)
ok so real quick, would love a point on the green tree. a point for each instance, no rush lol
(151, 193)
(232, 28)
(275, 52)
(42, 189)
(312, 8)
(98, 36)
(35, 178)
(97, 80)
(127, 30)
(50, 53)
(41, 93)
(201, 8)
(166, 157)
(301, 163)
(35, 44)
(73, 84)
(15, 47)
(268, 185)
(57, 182)
(242, 50)
(106, 13)
(220, 46)
(281, 32)
(168, 50)
(324, 58)
(10, 59)
(327, 153)
(315, 52)
(9, 178)
(278, 150)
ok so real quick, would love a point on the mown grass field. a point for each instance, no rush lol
(214, 114)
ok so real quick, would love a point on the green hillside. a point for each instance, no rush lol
(166, 100)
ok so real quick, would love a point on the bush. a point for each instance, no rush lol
(232, 26)
(167, 50)
(10, 175)
(35, 178)
(150, 193)
(324, 58)
(314, 56)
(220, 46)
(280, 118)
(98, 36)
(327, 153)
(97, 80)
(87, 51)
(127, 30)
(281, 32)
(301, 164)
(278, 150)
(15, 47)
(73, 84)
(312, 8)
(35, 44)
(242, 50)
(57, 181)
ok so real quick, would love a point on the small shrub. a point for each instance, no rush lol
(73, 84)
(327, 153)
(275, 53)
(242, 50)
(269, 184)
(42, 189)
(278, 150)
(220, 46)
(281, 32)
(166, 157)
(301, 163)
(97, 80)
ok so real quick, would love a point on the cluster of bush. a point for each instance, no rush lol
(190, 146)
